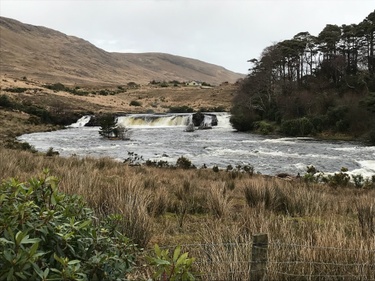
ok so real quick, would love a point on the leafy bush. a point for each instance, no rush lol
(133, 85)
(57, 87)
(51, 152)
(184, 163)
(242, 119)
(173, 268)
(135, 103)
(5, 101)
(48, 235)
(107, 125)
(103, 92)
(263, 127)
(297, 127)
(16, 90)
(181, 109)
(338, 179)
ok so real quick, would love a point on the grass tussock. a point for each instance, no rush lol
(310, 226)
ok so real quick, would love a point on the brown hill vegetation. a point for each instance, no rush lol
(51, 56)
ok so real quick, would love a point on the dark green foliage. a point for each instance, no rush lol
(48, 235)
(107, 126)
(16, 90)
(212, 109)
(263, 127)
(158, 164)
(177, 266)
(103, 92)
(135, 103)
(5, 101)
(57, 87)
(340, 179)
(61, 87)
(181, 109)
(133, 85)
(51, 152)
(184, 163)
(297, 127)
(243, 119)
(13, 144)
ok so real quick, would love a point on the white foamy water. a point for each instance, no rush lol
(81, 122)
(146, 120)
(163, 138)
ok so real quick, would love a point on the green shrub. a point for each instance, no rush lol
(5, 101)
(242, 119)
(51, 152)
(16, 90)
(103, 92)
(338, 179)
(48, 235)
(297, 127)
(177, 267)
(184, 163)
(135, 103)
(57, 87)
(107, 125)
(264, 127)
(181, 109)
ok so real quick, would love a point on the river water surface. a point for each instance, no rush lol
(165, 139)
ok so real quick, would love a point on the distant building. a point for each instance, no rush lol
(194, 83)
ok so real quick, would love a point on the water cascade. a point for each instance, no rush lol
(81, 122)
(153, 120)
(164, 120)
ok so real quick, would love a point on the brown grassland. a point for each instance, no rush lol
(316, 231)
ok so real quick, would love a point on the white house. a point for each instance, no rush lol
(194, 83)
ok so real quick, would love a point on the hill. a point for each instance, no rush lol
(51, 56)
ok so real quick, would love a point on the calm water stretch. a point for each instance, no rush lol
(156, 137)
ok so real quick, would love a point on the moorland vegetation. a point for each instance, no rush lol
(98, 219)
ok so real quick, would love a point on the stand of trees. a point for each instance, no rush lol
(312, 84)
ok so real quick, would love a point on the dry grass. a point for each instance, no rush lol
(152, 98)
(305, 223)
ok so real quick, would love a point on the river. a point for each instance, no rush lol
(164, 138)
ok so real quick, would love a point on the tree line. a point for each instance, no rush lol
(312, 84)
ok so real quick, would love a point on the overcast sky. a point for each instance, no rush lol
(222, 32)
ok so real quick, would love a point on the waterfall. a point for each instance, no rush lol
(81, 122)
(164, 120)
(154, 120)
(223, 120)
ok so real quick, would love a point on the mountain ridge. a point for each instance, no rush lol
(49, 55)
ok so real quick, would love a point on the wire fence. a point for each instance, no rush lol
(281, 261)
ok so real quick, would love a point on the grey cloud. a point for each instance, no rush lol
(227, 33)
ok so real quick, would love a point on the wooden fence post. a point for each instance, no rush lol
(258, 262)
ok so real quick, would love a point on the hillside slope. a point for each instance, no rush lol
(51, 56)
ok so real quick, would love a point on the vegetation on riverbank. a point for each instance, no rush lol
(313, 85)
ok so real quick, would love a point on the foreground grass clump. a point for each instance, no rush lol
(48, 235)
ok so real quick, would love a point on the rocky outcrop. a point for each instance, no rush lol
(204, 119)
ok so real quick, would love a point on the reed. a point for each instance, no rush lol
(309, 226)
